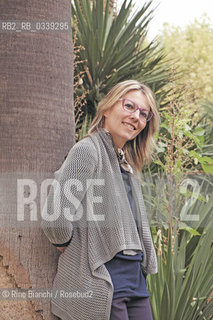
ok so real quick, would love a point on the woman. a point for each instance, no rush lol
(95, 213)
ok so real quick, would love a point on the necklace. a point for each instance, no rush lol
(122, 161)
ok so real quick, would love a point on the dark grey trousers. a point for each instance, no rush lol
(131, 309)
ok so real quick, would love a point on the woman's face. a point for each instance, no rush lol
(123, 125)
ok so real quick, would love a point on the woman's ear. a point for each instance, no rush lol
(106, 113)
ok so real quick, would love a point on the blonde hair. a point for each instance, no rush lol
(138, 151)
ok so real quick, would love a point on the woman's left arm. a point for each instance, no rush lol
(67, 192)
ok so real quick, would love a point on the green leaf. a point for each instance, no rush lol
(208, 168)
(192, 231)
(199, 131)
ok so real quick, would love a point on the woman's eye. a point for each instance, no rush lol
(129, 106)
(144, 114)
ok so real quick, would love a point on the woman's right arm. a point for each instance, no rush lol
(67, 192)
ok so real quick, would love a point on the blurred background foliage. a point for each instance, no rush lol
(111, 46)
(191, 49)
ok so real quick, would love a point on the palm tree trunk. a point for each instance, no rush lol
(36, 132)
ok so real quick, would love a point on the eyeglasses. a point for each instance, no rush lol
(130, 106)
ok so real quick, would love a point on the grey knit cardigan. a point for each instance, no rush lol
(88, 204)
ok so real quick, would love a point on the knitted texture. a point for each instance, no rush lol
(90, 202)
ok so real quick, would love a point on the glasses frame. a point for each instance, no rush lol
(150, 115)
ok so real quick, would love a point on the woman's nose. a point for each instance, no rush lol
(136, 114)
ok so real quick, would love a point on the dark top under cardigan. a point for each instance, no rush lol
(125, 270)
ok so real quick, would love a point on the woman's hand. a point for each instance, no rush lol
(62, 249)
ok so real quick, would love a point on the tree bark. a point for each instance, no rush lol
(36, 132)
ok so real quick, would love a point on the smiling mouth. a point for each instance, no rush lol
(130, 126)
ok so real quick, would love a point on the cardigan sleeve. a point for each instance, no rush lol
(67, 191)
